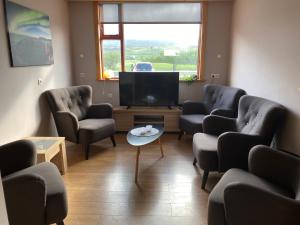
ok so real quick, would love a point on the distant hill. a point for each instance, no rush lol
(147, 43)
(140, 44)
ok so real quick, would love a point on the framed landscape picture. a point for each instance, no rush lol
(29, 36)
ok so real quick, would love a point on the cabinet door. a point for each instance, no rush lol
(172, 123)
(124, 121)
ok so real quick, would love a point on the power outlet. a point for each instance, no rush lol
(82, 75)
(40, 81)
(215, 76)
(109, 95)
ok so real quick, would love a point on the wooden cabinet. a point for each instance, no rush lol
(126, 119)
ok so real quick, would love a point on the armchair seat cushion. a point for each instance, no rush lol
(216, 215)
(205, 150)
(91, 130)
(191, 123)
(56, 199)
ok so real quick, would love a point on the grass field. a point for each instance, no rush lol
(185, 61)
(164, 66)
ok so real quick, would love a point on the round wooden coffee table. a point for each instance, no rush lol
(139, 141)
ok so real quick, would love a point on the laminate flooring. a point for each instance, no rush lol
(102, 191)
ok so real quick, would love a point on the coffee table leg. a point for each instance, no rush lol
(161, 148)
(137, 164)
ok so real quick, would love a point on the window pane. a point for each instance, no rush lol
(110, 13)
(111, 58)
(162, 47)
(111, 29)
(161, 13)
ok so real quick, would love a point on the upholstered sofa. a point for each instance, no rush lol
(217, 100)
(34, 194)
(269, 194)
(77, 119)
(225, 142)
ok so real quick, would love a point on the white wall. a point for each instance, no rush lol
(23, 112)
(265, 57)
(83, 42)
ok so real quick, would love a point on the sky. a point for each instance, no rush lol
(182, 34)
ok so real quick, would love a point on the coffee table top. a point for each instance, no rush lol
(140, 141)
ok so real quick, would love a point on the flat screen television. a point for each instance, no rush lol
(149, 88)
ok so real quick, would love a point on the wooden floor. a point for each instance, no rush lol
(101, 191)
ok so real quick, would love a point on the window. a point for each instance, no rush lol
(111, 53)
(150, 37)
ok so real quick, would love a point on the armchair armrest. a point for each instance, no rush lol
(67, 125)
(16, 156)
(234, 148)
(25, 197)
(247, 205)
(282, 168)
(216, 125)
(190, 107)
(223, 112)
(100, 111)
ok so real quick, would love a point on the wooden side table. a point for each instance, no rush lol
(51, 149)
(3, 212)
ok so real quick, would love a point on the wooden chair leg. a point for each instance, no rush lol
(204, 179)
(112, 137)
(180, 135)
(195, 162)
(60, 223)
(87, 151)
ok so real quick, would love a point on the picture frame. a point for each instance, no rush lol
(29, 36)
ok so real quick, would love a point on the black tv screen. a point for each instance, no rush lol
(149, 88)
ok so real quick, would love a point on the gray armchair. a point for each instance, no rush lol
(34, 194)
(269, 194)
(217, 100)
(77, 119)
(225, 142)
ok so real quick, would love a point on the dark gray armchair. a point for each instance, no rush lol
(269, 194)
(225, 142)
(34, 194)
(77, 119)
(217, 100)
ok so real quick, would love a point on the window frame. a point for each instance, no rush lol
(100, 36)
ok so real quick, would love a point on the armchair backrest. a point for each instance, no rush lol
(276, 166)
(74, 99)
(221, 97)
(259, 116)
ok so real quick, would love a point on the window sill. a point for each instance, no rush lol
(181, 81)
(185, 81)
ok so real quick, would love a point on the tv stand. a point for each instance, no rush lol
(128, 117)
